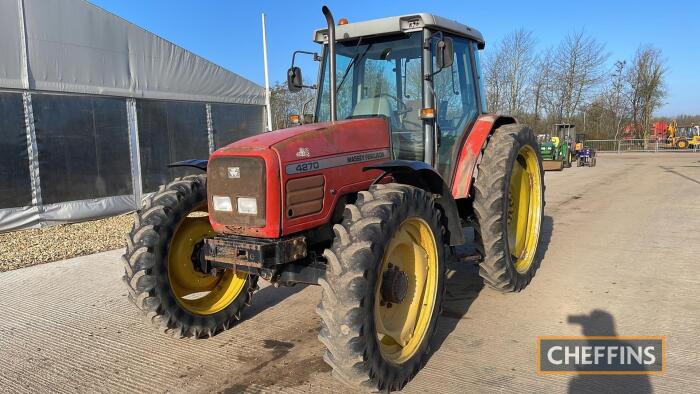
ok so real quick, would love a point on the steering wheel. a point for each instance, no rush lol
(401, 108)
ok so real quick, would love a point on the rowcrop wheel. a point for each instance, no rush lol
(383, 287)
(163, 265)
(509, 205)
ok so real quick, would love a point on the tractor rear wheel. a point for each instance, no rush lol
(164, 269)
(383, 287)
(681, 144)
(509, 205)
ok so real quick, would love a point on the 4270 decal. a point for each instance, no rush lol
(336, 161)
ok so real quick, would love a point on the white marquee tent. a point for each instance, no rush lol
(93, 108)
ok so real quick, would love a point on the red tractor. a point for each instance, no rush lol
(369, 202)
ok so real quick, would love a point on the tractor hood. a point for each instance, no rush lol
(316, 140)
(292, 178)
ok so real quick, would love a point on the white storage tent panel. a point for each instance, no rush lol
(73, 46)
(11, 64)
(93, 108)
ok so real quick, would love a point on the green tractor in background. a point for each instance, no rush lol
(556, 148)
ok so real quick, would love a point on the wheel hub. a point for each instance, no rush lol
(199, 263)
(394, 286)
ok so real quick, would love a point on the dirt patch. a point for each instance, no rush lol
(285, 362)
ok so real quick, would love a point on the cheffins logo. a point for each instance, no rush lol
(603, 355)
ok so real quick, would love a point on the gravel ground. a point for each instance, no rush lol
(37, 246)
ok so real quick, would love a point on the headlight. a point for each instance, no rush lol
(222, 203)
(247, 205)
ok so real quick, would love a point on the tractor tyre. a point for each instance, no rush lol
(509, 205)
(163, 265)
(681, 144)
(579, 163)
(592, 162)
(383, 288)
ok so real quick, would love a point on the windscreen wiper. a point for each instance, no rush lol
(353, 61)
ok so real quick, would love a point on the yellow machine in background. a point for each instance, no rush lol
(683, 137)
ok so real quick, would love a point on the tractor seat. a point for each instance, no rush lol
(373, 106)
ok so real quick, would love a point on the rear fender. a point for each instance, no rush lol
(424, 176)
(199, 164)
(470, 152)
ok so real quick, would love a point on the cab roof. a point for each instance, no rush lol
(399, 24)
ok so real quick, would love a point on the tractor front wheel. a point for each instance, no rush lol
(164, 271)
(509, 205)
(383, 287)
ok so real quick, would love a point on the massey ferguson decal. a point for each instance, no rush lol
(336, 161)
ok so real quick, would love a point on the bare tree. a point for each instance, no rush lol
(541, 83)
(494, 76)
(615, 98)
(518, 56)
(578, 64)
(507, 72)
(645, 86)
(285, 103)
(608, 109)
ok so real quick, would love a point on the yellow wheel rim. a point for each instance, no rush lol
(410, 264)
(525, 209)
(197, 292)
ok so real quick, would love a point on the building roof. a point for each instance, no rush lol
(74, 46)
(398, 24)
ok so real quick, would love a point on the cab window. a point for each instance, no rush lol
(456, 104)
(380, 77)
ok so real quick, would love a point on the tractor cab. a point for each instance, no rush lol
(417, 72)
(566, 132)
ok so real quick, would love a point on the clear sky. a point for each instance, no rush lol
(229, 33)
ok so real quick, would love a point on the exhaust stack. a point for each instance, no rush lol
(331, 59)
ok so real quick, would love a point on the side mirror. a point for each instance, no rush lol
(308, 118)
(294, 80)
(444, 54)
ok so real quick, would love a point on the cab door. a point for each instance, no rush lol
(457, 104)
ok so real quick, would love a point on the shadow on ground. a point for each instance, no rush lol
(602, 323)
(463, 283)
(268, 297)
(668, 169)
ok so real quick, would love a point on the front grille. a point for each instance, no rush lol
(251, 183)
(305, 196)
